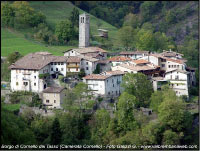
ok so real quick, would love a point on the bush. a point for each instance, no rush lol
(13, 57)
(44, 76)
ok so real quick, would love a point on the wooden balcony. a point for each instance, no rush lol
(73, 66)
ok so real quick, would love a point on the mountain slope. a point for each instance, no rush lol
(56, 11)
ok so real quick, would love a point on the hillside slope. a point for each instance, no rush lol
(56, 11)
(12, 41)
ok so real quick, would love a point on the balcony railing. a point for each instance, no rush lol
(73, 66)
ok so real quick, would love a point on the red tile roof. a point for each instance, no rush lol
(133, 52)
(119, 59)
(141, 61)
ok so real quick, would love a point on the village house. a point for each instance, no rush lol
(171, 54)
(53, 97)
(29, 72)
(88, 64)
(134, 54)
(117, 60)
(165, 63)
(179, 81)
(148, 69)
(106, 84)
(105, 65)
(73, 64)
(88, 51)
(158, 82)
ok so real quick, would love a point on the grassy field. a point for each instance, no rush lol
(11, 107)
(14, 41)
(55, 11)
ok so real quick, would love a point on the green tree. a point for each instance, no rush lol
(148, 9)
(151, 133)
(171, 138)
(131, 20)
(14, 129)
(97, 70)
(26, 16)
(171, 112)
(145, 40)
(125, 116)
(7, 14)
(99, 126)
(81, 73)
(69, 128)
(74, 17)
(43, 34)
(56, 135)
(170, 17)
(41, 127)
(65, 31)
(139, 86)
(148, 26)
(13, 57)
(156, 100)
(126, 36)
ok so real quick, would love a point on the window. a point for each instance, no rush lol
(51, 69)
(108, 93)
(19, 71)
(113, 85)
(54, 101)
(47, 101)
(58, 63)
(51, 63)
(16, 76)
(68, 69)
(72, 52)
(25, 83)
(61, 63)
(169, 66)
(56, 69)
(116, 92)
(86, 63)
(112, 80)
(17, 83)
(34, 84)
(107, 81)
(47, 70)
(174, 66)
(55, 63)
(76, 69)
(163, 65)
(86, 68)
(62, 69)
(67, 63)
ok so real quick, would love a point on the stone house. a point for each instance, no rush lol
(53, 97)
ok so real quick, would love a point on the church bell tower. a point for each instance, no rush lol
(84, 30)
